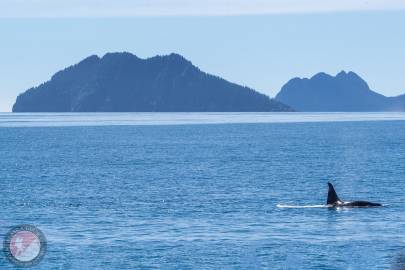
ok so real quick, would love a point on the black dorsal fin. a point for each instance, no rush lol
(332, 196)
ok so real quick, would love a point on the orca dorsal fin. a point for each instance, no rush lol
(332, 196)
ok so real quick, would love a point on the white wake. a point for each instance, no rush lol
(301, 206)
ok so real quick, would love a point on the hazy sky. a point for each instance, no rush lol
(261, 44)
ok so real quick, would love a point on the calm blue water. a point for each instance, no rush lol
(205, 196)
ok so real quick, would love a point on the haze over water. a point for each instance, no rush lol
(101, 119)
(174, 191)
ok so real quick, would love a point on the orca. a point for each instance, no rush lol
(334, 201)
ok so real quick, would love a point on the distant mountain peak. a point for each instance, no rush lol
(120, 54)
(346, 91)
(342, 73)
(91, 59)
(120, 57)
(349, 75)
(321, 76)
(173, 58)
(176, 56)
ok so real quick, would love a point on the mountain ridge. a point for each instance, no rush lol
(345, 92)
(124, 82)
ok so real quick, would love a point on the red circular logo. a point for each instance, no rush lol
(25, 245)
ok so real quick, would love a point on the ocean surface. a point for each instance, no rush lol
(205, 191)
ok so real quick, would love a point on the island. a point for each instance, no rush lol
(345, 92)
(123, 82)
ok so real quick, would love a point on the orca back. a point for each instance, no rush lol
(332, 196)
(361, 204)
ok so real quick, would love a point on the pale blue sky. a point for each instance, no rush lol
(258, 48)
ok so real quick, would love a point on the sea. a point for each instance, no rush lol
(205, 190)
